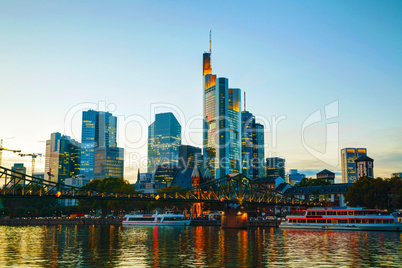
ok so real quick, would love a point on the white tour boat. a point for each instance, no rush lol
(156, 220)
(342, 218)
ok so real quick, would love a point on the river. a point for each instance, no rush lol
(117, 246)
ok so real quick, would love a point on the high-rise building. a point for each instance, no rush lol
(190, 156)
(295, 177)
(69, 158)
(164, 140)
(222, 123)
(252, 149)
(364, 167)
(51, 147)
(62, 158)
(397, 174)
(275, 167)
(109, 162)
(18, 167)
(258, 151)
(348, 157)
(99, 129)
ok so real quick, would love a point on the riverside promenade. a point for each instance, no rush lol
(85, 221)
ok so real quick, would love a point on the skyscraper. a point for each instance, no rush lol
(348, 157)
(190, 156)
(252, 149)
(108, 162)
(164, 140)
(98, 129)
(275, 167)
(62, 158)
(222, 123)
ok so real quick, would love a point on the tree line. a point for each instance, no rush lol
(376, 193)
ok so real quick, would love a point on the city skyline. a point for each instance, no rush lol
(291, 63)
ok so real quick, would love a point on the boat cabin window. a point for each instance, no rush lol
(350, 212)
(173, 219)
(342, 212)
(141, 219)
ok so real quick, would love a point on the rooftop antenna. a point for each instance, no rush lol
(245, 101)
(210, 42)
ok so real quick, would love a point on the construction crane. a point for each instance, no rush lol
(5, 149)
(34, 156)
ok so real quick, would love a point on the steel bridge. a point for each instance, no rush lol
(233, 188)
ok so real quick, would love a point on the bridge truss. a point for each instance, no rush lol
(233, 188)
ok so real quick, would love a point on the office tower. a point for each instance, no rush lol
(108, 162)
(364, 166)
(62, 158)
(295, 177)
(275, 167)
(164, 140)
(69, 153)
(222, 123)
(326, 175)
(258, 151)
(190, 156)
(18, 167)
(247, 146)
(99, 129)
(252, 149)
(51, 147)
(348, 157)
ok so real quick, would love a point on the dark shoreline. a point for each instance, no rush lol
(81, 221)
(36, 222)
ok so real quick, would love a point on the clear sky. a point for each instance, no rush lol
(293, 58)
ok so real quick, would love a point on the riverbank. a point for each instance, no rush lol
(83, 221)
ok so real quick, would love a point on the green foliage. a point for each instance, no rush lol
(109, 184)
(33, 206)
(305, 182)
(376, 193)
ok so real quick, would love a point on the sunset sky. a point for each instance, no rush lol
(138, 58)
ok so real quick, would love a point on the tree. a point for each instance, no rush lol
(306, 182)
(375, 193)
(109, 184)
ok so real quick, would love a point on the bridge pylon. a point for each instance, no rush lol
(234, 218)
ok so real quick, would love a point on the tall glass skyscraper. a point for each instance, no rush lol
(164, 140)
(348, 158)
(222, 123)
(62, 158)
(99, 129)
(253, 151)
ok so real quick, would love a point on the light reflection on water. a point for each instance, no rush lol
(115, 246)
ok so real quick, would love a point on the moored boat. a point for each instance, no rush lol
(342, 218)
(156, 220)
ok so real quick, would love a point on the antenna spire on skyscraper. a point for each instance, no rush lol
(210, 42)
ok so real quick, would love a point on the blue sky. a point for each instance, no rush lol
(291, 57)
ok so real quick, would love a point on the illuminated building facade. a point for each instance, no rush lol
(222, 123)
(348, 162)
(275, 167)
(164, 140)
(190, 156)
(99, 129)
(62, 158)
(252, 147)
(109, 162)
(69, 153)
(364, 167)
